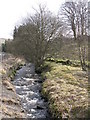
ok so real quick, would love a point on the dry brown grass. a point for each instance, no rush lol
(8, 112)
(9, 102)
(66, 88)
(8, 85)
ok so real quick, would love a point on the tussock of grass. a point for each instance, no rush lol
(11, 112)
(8, 85)
(9, 101)
(11, 107)
(2, 71)
(66, 91)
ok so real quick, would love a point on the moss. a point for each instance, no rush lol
(51, 59)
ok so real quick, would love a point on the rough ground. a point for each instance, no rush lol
(9, 102)
(66, 88)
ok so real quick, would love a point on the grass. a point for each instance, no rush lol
(8, 85)
(11, 106)
(10, 112)
(10, 101)
(66, 89)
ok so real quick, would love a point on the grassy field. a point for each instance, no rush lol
(66, 88)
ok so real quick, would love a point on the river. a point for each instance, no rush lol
(28, 86)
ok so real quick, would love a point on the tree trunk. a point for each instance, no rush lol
(82, 58)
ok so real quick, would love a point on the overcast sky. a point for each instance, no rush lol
(12, 12)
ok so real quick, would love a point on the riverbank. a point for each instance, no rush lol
(28, 87)
(66, 89)
(10, 106)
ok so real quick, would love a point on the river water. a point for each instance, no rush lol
(28, 87)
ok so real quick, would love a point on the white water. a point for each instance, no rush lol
(27, 88)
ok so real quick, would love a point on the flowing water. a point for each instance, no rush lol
(28, 87)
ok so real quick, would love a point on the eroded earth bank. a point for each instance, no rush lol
(20, 95)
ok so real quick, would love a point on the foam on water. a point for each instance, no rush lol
(27, 89)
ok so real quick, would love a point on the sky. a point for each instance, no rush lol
(13, 11)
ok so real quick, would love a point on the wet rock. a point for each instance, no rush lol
(22, 110)
(39, 107)
(39, 81)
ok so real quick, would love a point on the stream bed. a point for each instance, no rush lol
(28, 86)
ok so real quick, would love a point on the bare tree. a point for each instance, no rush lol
(76, 15)
(33, 38)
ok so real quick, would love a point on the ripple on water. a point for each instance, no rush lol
(37, 113)
(28, 89)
